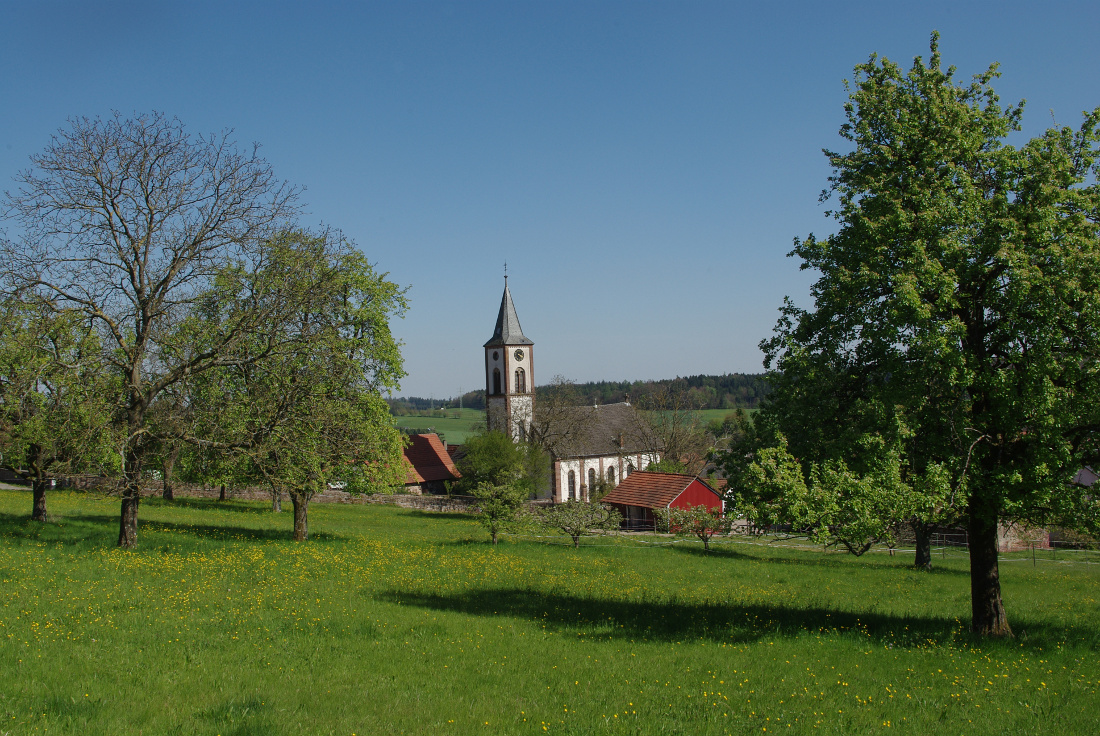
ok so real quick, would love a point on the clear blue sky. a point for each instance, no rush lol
(642, 167)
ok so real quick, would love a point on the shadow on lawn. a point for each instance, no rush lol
(210, 504)
(439, 515)
(814, 558)
(65, 530)
(102, 529)
(674, 621)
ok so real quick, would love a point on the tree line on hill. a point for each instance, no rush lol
(728, 391)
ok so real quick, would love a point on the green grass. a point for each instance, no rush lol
(397, 621)
(455, 426)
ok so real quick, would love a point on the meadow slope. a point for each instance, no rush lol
(396, 621)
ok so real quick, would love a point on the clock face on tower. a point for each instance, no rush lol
(518, 354)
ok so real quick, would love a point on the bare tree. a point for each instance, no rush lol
(129, 221)
(669, 419)
(559, 423)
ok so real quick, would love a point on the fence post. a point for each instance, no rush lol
(1032, 554)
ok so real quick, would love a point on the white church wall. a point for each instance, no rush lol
(600, 464)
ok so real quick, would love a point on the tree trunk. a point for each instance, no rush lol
(127, 523)
(38, 505)
(988, 611)
(706, 543)
(131, 471)
(923, 533)
(221, 493)
(168, 469)
(277, 502)
(301, 520)
(576, 541)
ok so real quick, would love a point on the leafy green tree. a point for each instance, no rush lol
(579, 519)
(500, 507)
(698, 521)
(493, 458)
(53, 417)
(957, 312)
(312, 413)
(667, 465)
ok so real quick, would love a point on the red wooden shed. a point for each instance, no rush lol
(641, 493)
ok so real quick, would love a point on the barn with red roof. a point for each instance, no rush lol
(641, 493)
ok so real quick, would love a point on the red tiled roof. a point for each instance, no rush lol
(649, 490)
(426, 459)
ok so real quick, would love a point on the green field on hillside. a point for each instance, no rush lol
(398, 621)
(457, 424)
(454, 426)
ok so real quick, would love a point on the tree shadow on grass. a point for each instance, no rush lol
(677, 621)
(225, 532)
(815, 558)
(439, 515)
(715, 553)
(211, 504)
(102, 530)
(77, 530)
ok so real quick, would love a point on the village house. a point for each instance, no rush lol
(428, 465)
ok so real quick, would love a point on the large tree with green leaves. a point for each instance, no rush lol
(54, 418)
(495, 459)
(956, 316)
(312, 412)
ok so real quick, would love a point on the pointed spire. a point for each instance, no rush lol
(508, 331)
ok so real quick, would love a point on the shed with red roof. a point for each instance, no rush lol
(641, 493)
(428, 465)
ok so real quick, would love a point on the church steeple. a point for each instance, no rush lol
(509, 374)
(508, 331)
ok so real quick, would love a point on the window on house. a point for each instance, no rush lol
(521, 381)
(591, 479)
(611, 476)
(572, 486)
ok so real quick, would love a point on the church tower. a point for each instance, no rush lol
(509, 374)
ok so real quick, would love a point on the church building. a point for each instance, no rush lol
(601, 445)
(509, 375)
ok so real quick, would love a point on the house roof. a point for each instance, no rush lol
(508, 331)
(650, 490)
(426, 459)
(611, 429)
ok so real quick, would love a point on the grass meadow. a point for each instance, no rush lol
(397, 621)
(455, 426)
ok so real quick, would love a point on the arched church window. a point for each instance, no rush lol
(521, 381)
(496, 380)
(629, 468)
(611, 476)
(572, 486)
(591, 479)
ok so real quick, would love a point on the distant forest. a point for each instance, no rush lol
(730, 391)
